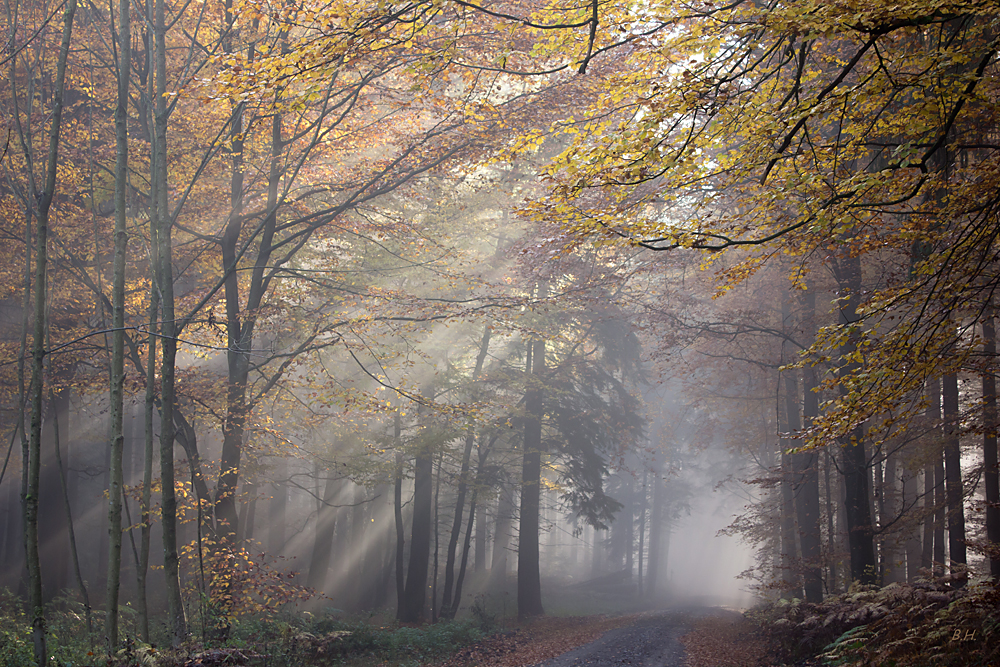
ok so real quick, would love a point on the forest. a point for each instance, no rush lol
(427, 310)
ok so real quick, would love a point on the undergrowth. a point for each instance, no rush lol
(900, 625)
(276, 640)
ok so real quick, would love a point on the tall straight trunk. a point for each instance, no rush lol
(147, 121)
(361, 571)
(456, 526)
(789, 544)
(788, 421)
(854, 459)
(805, 481)
(449, 613)
(831, 531)
(411, 607)
(397, 511)
(277, 509)
(934, 482)
(479, 565)
(117, 397)
(484, 453)
(529, 587)
(627, 516)
(149, 410)
(68, 506)
(953, 480)
(176, 620)
(655, 535)
(437, 540)
(911, 543)
(893, 570)
(927, 543)
(33, 462)
(499, 562)
(326, 522)
(940, 514)
(991, 474)
(642, 530)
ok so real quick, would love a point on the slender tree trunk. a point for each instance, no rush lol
(451, 612)
(807, 495)
(326, 522)
(358, 525)
(529, 587)
(415, 592)
(953, 480)
(147, 467)
(437, 540)
(831, 531)
(176, 620)
(934, 482)
(277, 509)
(911, 543)
(117, 397)
(642, 529)
(892, 564)
(929, 504)
(499, 563)
(484, 452)
(84, 595)
(991, 473)
(456, 525)
(33, 462)
(854, 459)
(789, 546)
(940, 506)
(655, 535)
(479, 564)
(397, 509)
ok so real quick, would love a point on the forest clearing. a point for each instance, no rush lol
(425, 331)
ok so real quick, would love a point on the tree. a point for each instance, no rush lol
(117, 398)
(791, 130)
(44, 197)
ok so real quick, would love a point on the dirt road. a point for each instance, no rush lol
(652, 641)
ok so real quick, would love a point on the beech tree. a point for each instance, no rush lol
(791, 130)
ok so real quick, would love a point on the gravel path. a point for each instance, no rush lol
(652, 641)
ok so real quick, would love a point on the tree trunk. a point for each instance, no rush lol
(277, 509)
(805, 481)
(529, 590)
(831, 531)
(176, 620)
(456, 524)
(655, 534)
(789, 546)
(953, 481)
(437, 540)
(361, 569)
(326, 522)
(991, 474)
(84, 595)
(499, 563)
(892, 565)
(397, 510)
(854, 460)
(149, 410)
(411, 608)
(642, 530)
(117, 397)
(33, 463)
